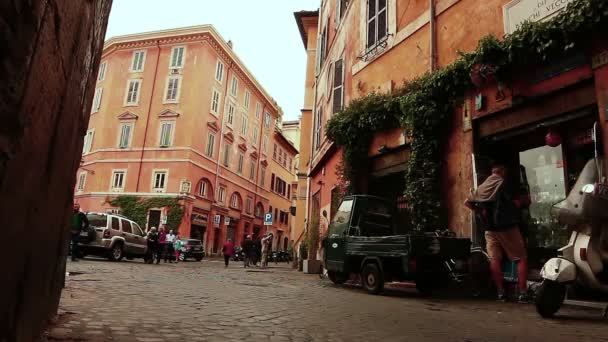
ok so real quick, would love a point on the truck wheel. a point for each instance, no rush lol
(372, 279)
(549, 298)
(116, 253)
(337, 278)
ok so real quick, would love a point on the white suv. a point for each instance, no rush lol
(115, 237)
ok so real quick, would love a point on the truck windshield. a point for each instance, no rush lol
(339, 223)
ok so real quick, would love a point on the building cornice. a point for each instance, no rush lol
(203, 33)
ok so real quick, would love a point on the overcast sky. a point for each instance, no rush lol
(264, 34)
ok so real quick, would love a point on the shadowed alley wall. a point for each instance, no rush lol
(49, 55)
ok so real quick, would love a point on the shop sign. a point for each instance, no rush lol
(199, 219)
(217, 220)
(518, 11)
(599, 60)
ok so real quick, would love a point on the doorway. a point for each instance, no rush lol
(153, 218)
(544, 174)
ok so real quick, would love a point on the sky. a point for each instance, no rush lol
(264, 34)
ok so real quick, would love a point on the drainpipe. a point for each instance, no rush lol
(217, 165)
(141, 156)
(432, 36)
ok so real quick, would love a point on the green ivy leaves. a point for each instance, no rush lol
(136, 208)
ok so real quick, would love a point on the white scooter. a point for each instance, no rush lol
(584, 261)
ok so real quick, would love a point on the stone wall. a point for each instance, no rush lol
(49, 55)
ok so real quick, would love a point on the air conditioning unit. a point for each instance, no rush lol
(159, 190)
(175, 71)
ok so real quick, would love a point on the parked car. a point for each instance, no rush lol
(192, 248)
(113, 236)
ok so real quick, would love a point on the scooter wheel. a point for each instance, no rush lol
(549, 298)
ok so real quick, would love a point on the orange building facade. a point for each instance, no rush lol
(369, 46)
(177, 114)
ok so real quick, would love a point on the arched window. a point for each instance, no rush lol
(204, 188)
(235, 201)
(259, 210)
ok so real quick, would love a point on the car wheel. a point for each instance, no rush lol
(337, 278)
(182, 257)
(116, 254)
(549, 298)
(372, 279)
(199, 258)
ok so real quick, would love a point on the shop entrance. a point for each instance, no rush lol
(541, 172)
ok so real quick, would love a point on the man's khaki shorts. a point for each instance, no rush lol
(510, 241)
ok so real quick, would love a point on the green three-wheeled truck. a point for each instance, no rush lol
(366, 238)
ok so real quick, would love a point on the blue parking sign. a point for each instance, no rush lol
(268, 219)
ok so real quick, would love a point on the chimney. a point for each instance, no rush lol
(230, 43)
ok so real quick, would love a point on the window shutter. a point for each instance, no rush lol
(338, 85)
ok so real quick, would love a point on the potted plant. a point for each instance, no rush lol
(311, 265)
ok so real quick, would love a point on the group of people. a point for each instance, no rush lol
(163, 245)
(254, 251)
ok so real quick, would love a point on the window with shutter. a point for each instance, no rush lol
(239, 168)
(318, 128)
(159, 181)
(177, 57)
(172, 88)
(138, 61)
(215, 102)
(338, 92)
(376, 22)
(210, 145)
(166, 134)
(125, 135)
(97, 100)
(102, 71)
(219, 71)
(227, 155)
(133, 92)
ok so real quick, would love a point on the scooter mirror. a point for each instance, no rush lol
(588, 188)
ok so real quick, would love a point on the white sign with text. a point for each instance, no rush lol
(518, 11)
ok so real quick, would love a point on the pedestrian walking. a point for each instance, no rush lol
(265, 249)
(80, 223)
(162, 242)
(152, 241)
(228, 251)
(170, 251)
(499, 214)
(257, 251)
(248, 251)
(177, 246)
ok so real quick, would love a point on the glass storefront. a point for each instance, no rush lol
(542, 173)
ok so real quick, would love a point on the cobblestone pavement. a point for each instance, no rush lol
(203, 301)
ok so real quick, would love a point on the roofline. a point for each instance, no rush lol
(299, 16)
(286, 141)
(193, 30)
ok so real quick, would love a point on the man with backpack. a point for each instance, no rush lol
(80, 223)
(499, 215)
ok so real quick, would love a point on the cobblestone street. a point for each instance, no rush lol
(203, 301)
